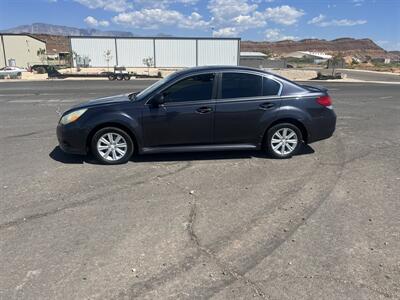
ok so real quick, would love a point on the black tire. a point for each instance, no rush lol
(278, 129)
(127, 77)
(111, 77)
(120, 77)
(112, 130)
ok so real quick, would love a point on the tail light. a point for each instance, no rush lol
(324, 100)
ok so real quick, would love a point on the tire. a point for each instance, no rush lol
(127, 77)
(120, 77)
(111, 77)
(283, 146)
(110, 153)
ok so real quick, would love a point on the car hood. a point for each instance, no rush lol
(104, 100)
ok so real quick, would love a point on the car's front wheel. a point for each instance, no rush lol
(112, 146)
(283, 140)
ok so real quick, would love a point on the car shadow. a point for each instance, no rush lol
(211, 155)
(58, 155)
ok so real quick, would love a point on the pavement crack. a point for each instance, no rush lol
(26, 134)
(235, 275)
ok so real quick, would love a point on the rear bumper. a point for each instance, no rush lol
(72, 138)
(322, 127)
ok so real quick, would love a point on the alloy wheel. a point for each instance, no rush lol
(112, 146)
(284, 141)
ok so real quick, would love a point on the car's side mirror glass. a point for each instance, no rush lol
(158, 100)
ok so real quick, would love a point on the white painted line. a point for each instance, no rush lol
(25, 101)
(15, 95)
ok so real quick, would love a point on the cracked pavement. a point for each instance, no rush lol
(221, 225)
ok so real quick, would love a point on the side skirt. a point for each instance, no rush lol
(199, 148)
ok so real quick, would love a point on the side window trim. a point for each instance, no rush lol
(162, 89)
(271, 77)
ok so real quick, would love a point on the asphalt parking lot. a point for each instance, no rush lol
(228, 225)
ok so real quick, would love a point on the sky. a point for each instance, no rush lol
(260, 20)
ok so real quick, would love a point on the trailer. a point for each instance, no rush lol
(119, 73)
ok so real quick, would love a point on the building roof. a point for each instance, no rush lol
(253, 54)
(153, 37)
(23, 34)
(320, 55)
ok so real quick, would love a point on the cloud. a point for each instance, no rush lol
(231, 17)
(274, 34)
(322, 22)
(227, 17)
(317, 20)
(93, 22)
(285, 15)
(162, 3)
(126, 5)
(226, 32)
(358, 2)
(153, 18)
(110, 5)
(224, 11)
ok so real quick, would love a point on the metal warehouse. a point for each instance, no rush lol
(20, 50)
(168, 52)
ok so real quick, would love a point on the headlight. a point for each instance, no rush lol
(73, 116)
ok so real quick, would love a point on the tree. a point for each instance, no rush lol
(335, 60)
(149, 62)
(41, 53)
(75, 57)
(108, 57)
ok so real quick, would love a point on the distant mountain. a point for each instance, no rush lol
(347, 46)
(43, 28)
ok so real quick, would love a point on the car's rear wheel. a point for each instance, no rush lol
(283, 140)
(111, 77)
(120, 77)
(127, 77)
(112, 146)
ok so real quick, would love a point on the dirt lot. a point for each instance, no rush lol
(229, 225)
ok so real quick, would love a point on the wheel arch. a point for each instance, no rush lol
(293, 121)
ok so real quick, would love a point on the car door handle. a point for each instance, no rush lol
(267, 105)
(204, 110)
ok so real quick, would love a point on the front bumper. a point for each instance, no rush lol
(72, 139)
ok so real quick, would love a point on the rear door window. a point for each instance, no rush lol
(241, 85)
(270, 87)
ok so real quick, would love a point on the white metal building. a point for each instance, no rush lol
(21, 49)
(168, 52)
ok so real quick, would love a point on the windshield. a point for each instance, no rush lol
(147, 91)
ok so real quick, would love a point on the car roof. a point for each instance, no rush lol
(220, 68)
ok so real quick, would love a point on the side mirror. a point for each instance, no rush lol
(158, 100)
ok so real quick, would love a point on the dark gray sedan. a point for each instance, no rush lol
(201, 109)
